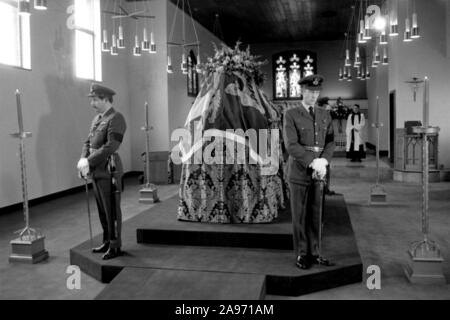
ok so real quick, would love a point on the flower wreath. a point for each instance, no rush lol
(230, 60)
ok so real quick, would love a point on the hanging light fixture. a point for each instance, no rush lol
(383, 37)
(145, 42)
(114, 51)
(349, 75)
(105, 45)
(361, 32)
(358, 73)
(341, 76)
(152, 43)
(184, 45)
(357, 57)
(407, 35)
(377, 55)
(347, 58)
(367, 35)
(393, 20)
(394, 30)
(137, 48)
(23, 7)
(363, 73)
(40, 4)
(361, 27)
(120, 40)
(385, 60)
(184, 65)
(169, 64)
(147, 45)
(415, 28)
(374, 60)
(367, 70)
(361, 38)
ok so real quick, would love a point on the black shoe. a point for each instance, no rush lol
(112, 253)
(302, 262)
(329, 192)
(321, 261)
(103, 248)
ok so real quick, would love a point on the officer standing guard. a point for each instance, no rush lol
(309, 140)
(100, 161)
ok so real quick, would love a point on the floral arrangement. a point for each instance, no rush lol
(339, 112)
(230, 60)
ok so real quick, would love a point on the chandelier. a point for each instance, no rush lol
(117, 36)
(375, 26)
(183, 44)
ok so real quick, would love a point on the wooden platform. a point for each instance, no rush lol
(160, 284)
(155, 240)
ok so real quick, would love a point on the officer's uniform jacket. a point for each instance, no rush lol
(105, 136)
(301, 133)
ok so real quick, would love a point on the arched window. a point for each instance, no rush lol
(288, 68)
(192, 76)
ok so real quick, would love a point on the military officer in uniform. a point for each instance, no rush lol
(100, 161)
(309, 140)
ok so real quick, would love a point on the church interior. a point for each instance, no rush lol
(223, 231)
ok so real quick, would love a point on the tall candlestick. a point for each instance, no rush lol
(378, 112)
(426, 103)
(19, 111)
(146, 114)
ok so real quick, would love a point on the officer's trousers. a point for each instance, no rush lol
(305, 211)
(107, 197)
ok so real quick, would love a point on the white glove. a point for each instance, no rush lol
(83, 167)
(319, 166)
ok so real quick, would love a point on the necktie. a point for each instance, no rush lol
(311, 112)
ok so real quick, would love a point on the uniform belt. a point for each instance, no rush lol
(313, 149)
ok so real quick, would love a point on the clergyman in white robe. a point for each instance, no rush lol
(355, 145)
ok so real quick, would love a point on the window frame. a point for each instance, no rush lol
(22, 23)
(95, 36)
(302, 54)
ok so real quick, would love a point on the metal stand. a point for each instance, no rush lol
(377, 192)
(29, 247)
(149, 192)
(425, 265)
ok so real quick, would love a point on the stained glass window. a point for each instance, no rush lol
(281, 79)
(192, 76)
(289, 68)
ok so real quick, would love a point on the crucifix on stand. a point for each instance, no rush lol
(425, 265)
(29, 247)
(149, 192)
(377, 192)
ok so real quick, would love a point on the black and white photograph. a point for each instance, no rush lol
(225, 156)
